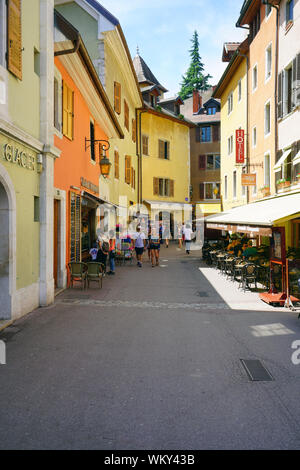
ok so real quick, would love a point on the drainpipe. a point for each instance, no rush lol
(69, 51)
(247, 118)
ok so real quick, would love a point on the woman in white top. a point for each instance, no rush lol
(188, 233)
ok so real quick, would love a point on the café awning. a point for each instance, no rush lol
(296, 160)
(256, 217)
(282, 159)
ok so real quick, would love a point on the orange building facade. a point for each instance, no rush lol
(82, 117)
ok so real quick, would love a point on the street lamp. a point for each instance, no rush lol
(104, 162)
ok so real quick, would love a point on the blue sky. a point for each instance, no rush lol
(163, 30)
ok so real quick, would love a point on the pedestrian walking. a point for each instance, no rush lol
(112, 253)
(154, 247)
(167, 234)
(139, 244)
(103, 251)
(188, 233)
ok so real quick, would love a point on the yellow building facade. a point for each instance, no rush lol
(232, 91)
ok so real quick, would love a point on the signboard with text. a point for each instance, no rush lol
(248, 179)
(240, 146)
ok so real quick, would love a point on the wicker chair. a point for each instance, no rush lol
(249, 276)
(77, 273)
(94, 273)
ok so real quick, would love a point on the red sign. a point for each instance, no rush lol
(240, 145)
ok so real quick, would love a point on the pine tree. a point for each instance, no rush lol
(194, 79)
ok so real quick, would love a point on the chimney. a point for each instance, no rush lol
(196, 101)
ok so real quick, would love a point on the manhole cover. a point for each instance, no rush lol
(256, 371)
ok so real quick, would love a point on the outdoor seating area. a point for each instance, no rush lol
(85, 273)
(251, 273)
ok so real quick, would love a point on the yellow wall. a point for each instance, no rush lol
(117, 70)
(176, 168)
(229, 123)
(27, 91)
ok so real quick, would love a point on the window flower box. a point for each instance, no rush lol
(283, 183)
(265, 191)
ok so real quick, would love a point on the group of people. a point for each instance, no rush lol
(104, 248)
(241, 247)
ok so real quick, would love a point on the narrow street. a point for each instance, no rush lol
(151, 361)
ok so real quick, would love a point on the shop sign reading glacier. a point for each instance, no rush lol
(18, 157)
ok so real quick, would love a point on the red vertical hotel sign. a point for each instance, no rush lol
(240, 145)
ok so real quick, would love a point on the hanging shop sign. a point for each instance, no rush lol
(240, 146)
(17, 156)
(249, 179)
(88, 185)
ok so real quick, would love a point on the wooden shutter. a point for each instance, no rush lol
(198, 134)
(280, 95)
(68, 111)
(294, 83)
(117, 163)
(161, 149)
(126, 115)
(145, 144)
(14, 36)
(202, 162)
(172, 185)
(127, 169)
(156, 186)
(201, 191)
(117, 97)
(215, 133)
(134, 130)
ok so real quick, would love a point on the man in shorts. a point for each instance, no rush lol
(139, 244)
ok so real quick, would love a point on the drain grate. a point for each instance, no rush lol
(202, 294)
(256, 371)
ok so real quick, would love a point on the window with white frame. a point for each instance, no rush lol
(230, 145)
(267, 118)
(254, 78)
(254, 188)
(243, 187)
(268, 61)
(240, 90)
(289, 11)
(254, 137)
(234, 185)
(230, 103)
(212, 190)
(267, 170)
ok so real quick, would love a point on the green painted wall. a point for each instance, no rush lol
(26, 184)
(23, 95)
(86, 25)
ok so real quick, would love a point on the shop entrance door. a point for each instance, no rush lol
(5, 298)
(56, 242)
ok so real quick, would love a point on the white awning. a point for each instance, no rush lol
(296, 159)
(261, 213)
(282, 159)
(168, 205)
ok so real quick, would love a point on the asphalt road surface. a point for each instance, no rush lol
(151, 361)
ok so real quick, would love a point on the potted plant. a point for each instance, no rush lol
(283, 183)
(265, 191)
